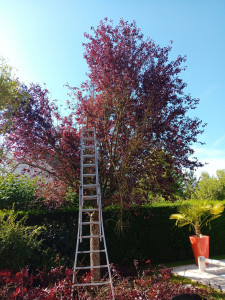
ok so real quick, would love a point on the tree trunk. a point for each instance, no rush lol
(94, 245)
(197, 230)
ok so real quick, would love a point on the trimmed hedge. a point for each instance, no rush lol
(151, 235)
(148, 234)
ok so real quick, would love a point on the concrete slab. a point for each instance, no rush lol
(213, 276)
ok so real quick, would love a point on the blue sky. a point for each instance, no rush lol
(43, 39)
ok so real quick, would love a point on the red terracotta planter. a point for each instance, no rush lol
(200, 246)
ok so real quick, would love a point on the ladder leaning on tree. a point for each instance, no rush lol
(90, 222)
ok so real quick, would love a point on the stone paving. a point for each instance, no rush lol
(213, 276)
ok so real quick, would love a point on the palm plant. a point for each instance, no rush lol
(197, 215)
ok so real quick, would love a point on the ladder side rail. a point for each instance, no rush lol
(98, 190)
(96, 158)
(97, 180)
(75, 258)
(98, 196)
(81, 158)
(99, 209)
(81, 191)
(80, 213)
(81, 188)
(79, 231)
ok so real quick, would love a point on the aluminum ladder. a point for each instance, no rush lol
(90, 202)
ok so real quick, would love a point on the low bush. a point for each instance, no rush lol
(19, 244)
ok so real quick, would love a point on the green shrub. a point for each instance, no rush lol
(18, 190)
(19, 244)
(59, 238)
(71, 199)
(210, 188)
(189, 185)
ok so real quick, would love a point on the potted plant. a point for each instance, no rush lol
(197, 215)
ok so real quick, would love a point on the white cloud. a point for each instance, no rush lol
(212, 166)
(205, 153)
(214, 159)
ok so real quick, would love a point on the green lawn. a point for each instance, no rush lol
(214, 294)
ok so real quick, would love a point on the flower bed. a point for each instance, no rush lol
(151, 283)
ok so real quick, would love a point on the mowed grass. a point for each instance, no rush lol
(214, 293)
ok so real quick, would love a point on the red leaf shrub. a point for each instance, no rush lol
(152, 283)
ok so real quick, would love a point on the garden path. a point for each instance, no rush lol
(214, 276)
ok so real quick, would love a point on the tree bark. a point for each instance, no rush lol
(94, 245)
(197, 230)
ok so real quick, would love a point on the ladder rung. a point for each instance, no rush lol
(88, 165)
(88, 147)
(91, 283)
(89, 129)
(92, 197)
(89, 186)
(88, 138)
(92, 267)
(91, 236)
(89, 175)
(89, 223)
(89, 209)
(91, 251)
(88, 155)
